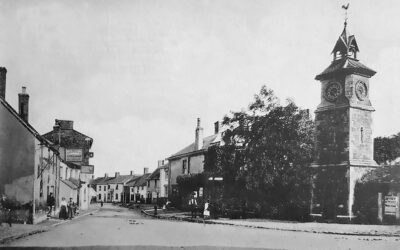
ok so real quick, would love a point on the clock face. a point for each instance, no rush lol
(332, 91)
(361, 90)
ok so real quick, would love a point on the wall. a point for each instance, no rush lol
(196, 165)
(17, 150)
(163, 183)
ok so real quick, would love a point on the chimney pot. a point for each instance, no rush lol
(3, 74)
(131, 172)
(23, 101)
(216, 127)
(116, 174)
(105, 175)
(145, 170)
(198, 142)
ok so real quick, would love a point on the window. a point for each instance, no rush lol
(108, 186)
(116, 188)
(148, 184)
(116, 196)
(99, 188)
(105, 188)
(41, 188)
(99, 196)
(142, 187)
(184, 166)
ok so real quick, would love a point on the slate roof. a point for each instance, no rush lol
(120, 179)
(104, 180)
(345, 65)
(70, 184)
(207, 141)
(386, 174)
(69, 138)
(155, 175)
(140, 181)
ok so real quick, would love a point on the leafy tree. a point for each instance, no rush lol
(266, 154)
(387, 148)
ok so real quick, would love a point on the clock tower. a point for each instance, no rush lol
(343, 133)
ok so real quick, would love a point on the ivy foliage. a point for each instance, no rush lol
(387, 148)
(266, 154)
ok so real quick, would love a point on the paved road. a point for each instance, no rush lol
(112, 226)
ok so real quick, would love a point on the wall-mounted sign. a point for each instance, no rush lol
(91, 154)
(74, 155)
(391, 205)
(88, 169)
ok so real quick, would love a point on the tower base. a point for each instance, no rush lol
(332, 195)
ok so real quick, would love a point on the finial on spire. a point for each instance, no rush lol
(345, 7)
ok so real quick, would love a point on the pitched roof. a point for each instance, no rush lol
(133, 182)
(28, 126)
(140, 181)
(345, 65)
(155, 175)
(70, 184)
(207, 141)
(104, 180)
(386, 174)
(120, 179)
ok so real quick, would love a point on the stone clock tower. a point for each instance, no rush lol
(343, 133)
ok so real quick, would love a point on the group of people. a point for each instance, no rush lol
(67, 209)
(5, 212)
(194, 208)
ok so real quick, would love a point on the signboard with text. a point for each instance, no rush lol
(74, 155)
(88, 169)
(390, 205)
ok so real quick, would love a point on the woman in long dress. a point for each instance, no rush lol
(206, 212)
(63, 209)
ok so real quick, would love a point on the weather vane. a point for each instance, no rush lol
(345, 7)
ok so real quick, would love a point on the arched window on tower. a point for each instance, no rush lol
(362, 135)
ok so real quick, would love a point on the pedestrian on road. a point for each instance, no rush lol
(206, 213)
(193, 207)
(63, 209)
(101, 203)
(50, 203)
(70, 207)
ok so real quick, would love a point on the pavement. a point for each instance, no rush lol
(121, 228)
(308, 227)
(17, 231)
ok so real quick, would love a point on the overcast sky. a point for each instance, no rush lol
(135, 75)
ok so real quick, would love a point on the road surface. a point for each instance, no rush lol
(116, 226)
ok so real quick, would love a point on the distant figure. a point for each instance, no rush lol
(63, 209)
(70, 207)
(101, 203)
(206, 212)
(50, 203)
(193, 207)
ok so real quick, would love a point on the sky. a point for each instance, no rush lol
(135, 75)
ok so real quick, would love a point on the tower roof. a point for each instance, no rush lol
(345, 58)
(345, 42)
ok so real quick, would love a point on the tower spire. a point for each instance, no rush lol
(345, 7)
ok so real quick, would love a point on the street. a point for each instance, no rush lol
(116, 226)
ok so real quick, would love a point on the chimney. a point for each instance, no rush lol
(198, 143)
(216, 127)
(3, 73)
(160, 163)
(145, 170)
(23, 104)
(105, 175)
(131, 172)
(116, 174)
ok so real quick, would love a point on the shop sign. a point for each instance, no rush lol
(391, 205)
(73, 155)
(88, 169)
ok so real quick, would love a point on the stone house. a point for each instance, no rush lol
(115, 187)
(190, 160)
(29, 164)
(136, 189)
(74, 148)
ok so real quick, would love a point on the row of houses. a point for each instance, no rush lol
(144, 188)
(32, 166)
(161, 184)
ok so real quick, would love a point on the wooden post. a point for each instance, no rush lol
(398, 207)
(380, 215)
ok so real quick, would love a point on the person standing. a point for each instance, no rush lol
(193, 206)
(63, 209)
(50, 203)
(206, 213)
(70, 207)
